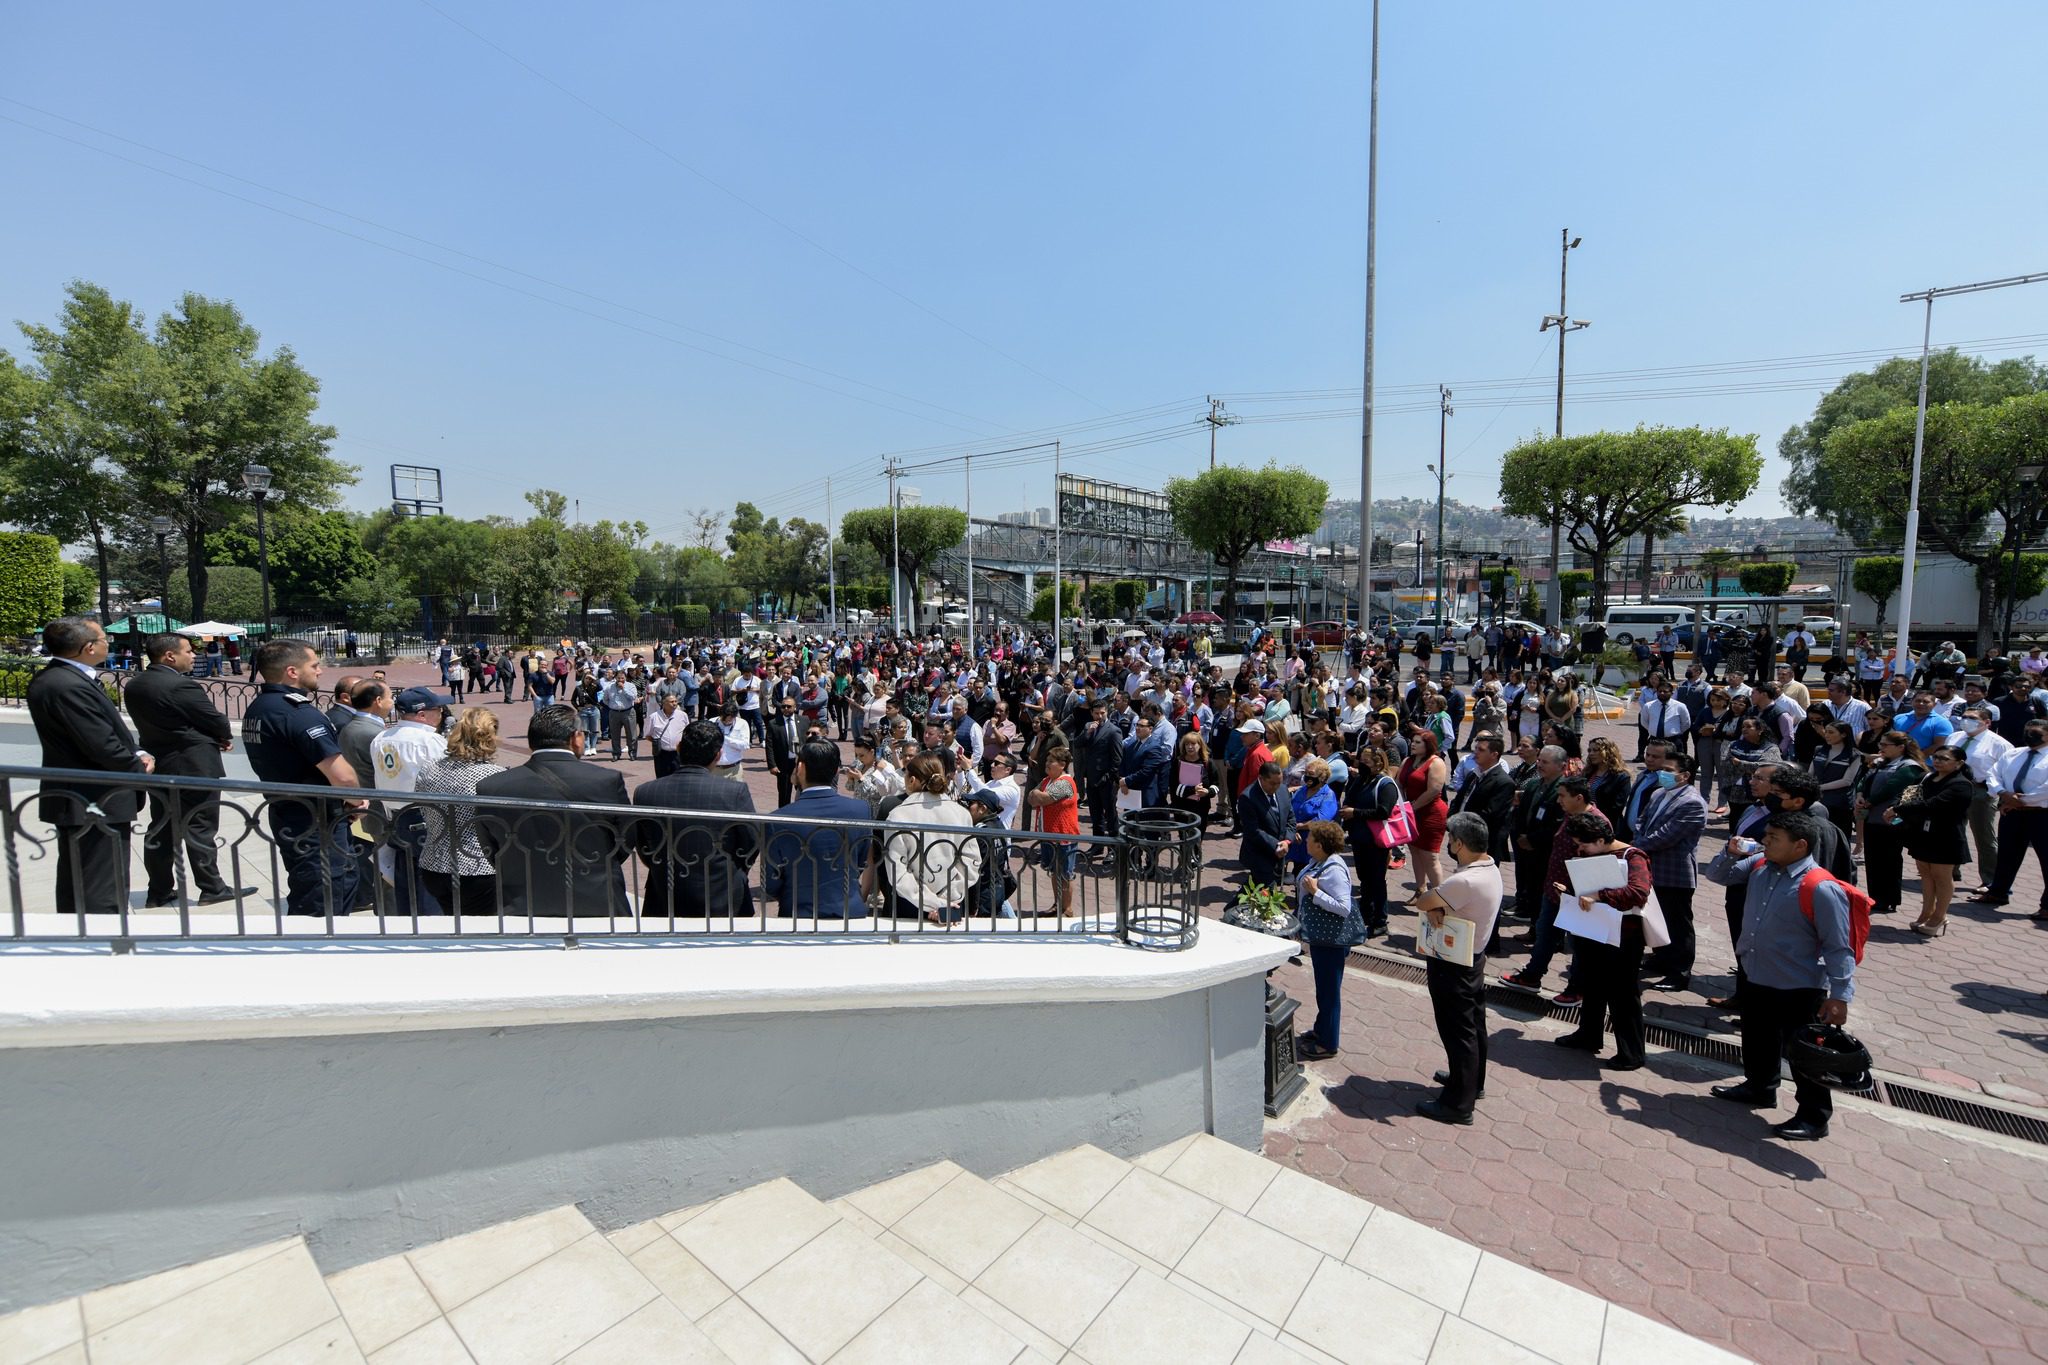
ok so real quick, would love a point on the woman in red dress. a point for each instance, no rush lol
(1423, 777)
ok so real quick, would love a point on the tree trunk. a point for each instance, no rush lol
(195, 580)
(99, 549)
(1596, 593)
(1649, 553)
(1229, 612)
(1987, 610)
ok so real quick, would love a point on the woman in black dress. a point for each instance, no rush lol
(1932, 816)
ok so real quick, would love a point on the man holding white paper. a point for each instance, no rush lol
(1457, 989)
(1604, 905)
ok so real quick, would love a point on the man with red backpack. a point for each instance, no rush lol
(1802, 934)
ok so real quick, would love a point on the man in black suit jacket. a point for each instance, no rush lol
(1266, 818)
(81, 727)
(554, 863)
(697, 868)
(1489, 793)
(186, 733)
(785, 736)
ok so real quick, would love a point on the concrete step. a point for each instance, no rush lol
(1195, 1252)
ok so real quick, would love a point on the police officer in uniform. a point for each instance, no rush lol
(289, 740)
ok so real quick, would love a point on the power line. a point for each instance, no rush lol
(751, 206)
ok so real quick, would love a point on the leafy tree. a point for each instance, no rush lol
(921, 533)
(597, 565)
(705, 576)
(1713, 564)
(1501, 584)
(526, 570)
(80, 583)
(1572, 584)
(1769, 579)
(233, 593)
(693, 618)
(1101, 600)
(1608, 486)
(441, 556)
(2011, 585)
(1969, 471)
(1041, 605)
(1228, 512)
(206, 405)
(379, 599)
(312, 554)
(1129, 595)
(1811, 488)
(786, 560)
(31, 583)
(1878, 578)
(63, 425)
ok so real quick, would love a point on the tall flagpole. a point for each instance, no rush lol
(1059, 590)
(831, 569)
(968, 463)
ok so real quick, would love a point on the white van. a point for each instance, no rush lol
(1626, 625)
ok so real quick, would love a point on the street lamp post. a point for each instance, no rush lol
(163, 526)
(256, 478)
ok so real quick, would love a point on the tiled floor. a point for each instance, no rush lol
(1199, 1252)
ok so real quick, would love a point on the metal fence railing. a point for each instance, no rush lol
(249, 860)
(231, 696)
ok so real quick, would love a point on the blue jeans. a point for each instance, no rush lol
(1327, 960)
(1548, 939)
(589, 714)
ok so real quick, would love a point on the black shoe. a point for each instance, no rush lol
(226, 893)
(1522, 981)
(1578, 1042)
(1744, 1093)
(1444, 1078)
(1674, 982)
(1443, 1113)
(160, 902)
(1796, 1129)
(1617, 1064)
(1313, 1051)
(1992, 900)
(1373, 931)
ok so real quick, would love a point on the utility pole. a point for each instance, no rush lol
(895, 555)
(1553, 598)
(831, 564)
(968, 464)
(1059, 589)
(1442, 470)
(1372, 184)
(1217, 418)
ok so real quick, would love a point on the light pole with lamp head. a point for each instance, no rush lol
(163, 526)
(256, 478)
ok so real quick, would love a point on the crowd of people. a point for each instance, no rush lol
(1332, 769)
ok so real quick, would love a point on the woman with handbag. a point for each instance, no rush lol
(1374, 797)
(1932, 816)
(1423, 778)
(1878, 837)
(1330, 925)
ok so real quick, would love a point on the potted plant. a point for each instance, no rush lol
(1263, 910)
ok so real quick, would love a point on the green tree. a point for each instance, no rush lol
(206, 405)
(1878, 577)
(920, 534)
(1769, 579)
(1572, 584)
(1101, 600)
(233, 593)
(1969, 472)
(1041, 605)
(441, 556)
(2013, 579)
(1228, 512)
(380, 598)
(31, 583)
(64, 425)
(1811, 488)
(1610, 485)
(1129, 595)
(526, 570)
(693, 618)
(80, 583)
(597, 565)
(312, 554)
(1713, 564)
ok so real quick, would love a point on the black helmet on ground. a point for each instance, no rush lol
(1831, 1055)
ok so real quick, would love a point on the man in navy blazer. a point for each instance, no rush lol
(1266, 817)
(815, 872)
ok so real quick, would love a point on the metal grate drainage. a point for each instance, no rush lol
(1899, 1094)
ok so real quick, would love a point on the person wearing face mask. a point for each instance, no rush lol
(1982, 747)
(2020, 784)
(1669, 831)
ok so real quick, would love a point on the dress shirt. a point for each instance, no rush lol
(87, 669)
(1982, 751)
(1926, 733)
(1666, 719)
(2023, 773)
(1473, 892)
(1853, 713)
(402, 751)
(666, 731)
(620, 696)
(1780, 947)
(738, 736)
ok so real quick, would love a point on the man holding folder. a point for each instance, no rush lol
(1457, 971)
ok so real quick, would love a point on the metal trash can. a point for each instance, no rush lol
(1159, 878)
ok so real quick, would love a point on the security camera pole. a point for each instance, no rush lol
(1553, 611)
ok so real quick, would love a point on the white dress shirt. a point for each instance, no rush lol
(1666, 719)
(1853, 713)
(2032, 789)
(1983, 752)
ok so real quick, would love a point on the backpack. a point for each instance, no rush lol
(1859, 906)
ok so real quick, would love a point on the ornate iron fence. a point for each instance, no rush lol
(235, 860)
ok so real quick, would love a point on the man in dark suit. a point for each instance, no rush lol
(1489, 792)
(816, 872)
(186, 733)
(81, 728)
(785, 736)
(698, 867)
(530, 848)
(1535, 823)
(1266, 818)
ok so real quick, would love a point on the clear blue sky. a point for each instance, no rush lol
(975, 221)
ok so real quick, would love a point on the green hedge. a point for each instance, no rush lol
(693, 617)
(31, 583)
(17, 669)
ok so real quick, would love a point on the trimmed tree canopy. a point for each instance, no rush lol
(31, 582)
(1228, 512)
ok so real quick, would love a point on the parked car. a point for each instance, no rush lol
(1819, 626)
(1325, 634)
(1282, 622)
